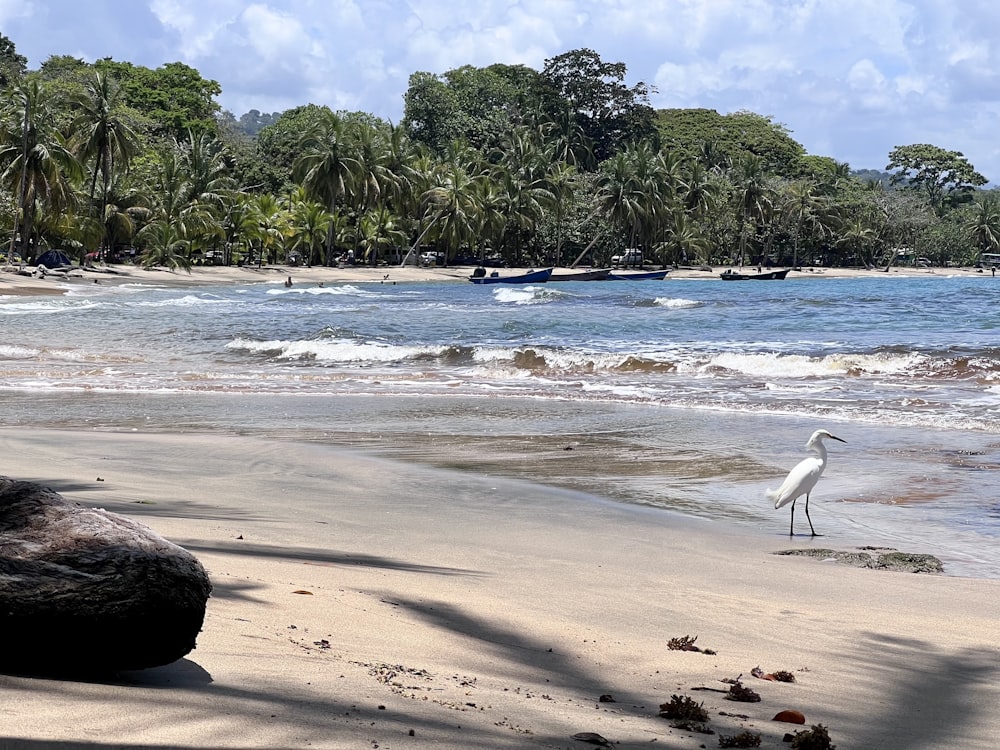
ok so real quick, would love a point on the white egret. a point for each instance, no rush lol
(803, 478)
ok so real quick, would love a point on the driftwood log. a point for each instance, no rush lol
(85, 590)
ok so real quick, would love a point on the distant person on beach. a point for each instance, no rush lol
(288, 281)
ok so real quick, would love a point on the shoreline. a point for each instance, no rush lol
(369, 602)
(14, 283)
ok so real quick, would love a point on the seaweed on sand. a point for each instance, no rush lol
(683, 707)
(816, 738)
(743, 739)
(686, 643)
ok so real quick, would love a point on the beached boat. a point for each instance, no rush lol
(597, 274)
(731, 275)
(532, 277)
(638, 275)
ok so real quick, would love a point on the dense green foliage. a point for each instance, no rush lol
(565, 165)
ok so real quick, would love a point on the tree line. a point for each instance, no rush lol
(503, 164)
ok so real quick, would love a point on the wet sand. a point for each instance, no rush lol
(362, 602)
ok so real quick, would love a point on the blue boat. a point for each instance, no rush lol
(597, 274)
(731, 275)
(532, 277)
(638, 275)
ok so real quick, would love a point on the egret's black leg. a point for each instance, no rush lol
(791, 526)
(810, 520)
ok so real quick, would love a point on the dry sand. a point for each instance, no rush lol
(362, 603)
(13, 282)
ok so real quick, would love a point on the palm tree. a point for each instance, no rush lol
(203, 160)
(271, 225)
(163, 246)
(327, 165)
(637, 193)
(560, 180)
(616, 198)
(125, 212)
(984, 227)
(753, 198)
(101, 134)
(308, 226)
(377, 231)
(684, 242)
(698, 191)
(802, 205)
(860, 238)
(570, 144)
(452, 208)
(37, 164)
(521, 175)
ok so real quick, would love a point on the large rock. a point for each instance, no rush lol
(85, 590)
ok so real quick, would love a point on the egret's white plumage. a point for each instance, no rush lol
(801, 480)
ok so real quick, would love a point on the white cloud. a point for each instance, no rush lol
(11, 9)
(850, 78)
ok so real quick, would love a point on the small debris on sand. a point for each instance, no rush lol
(876, 558)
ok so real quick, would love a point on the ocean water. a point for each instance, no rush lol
(686, 395)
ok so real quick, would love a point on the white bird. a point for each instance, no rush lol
(803, 478)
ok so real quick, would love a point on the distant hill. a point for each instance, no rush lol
(873, 175)
(252, 122)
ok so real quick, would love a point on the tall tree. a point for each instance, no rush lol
(476, 105)
(12, 65)
(753, 199)
(308, 225)
(37, 165)
(610, 113)
(719, 141)
(946, 177)
(327, 165)
(802, 205)
(984, 227)
(102, 135)
(174, 97)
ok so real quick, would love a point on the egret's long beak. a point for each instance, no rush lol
(837, 438)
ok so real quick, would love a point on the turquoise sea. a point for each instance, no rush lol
(685, 395)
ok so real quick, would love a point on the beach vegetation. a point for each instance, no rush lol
(565, 165)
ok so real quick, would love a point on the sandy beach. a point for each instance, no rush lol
(366, 602)
(362, 603)
(14, 281)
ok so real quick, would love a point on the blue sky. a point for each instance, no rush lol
(850, 79)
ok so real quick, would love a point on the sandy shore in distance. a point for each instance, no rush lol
(14, 283)
(363, 603)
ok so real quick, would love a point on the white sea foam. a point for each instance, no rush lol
(335, 350)
(188, 300)
(775, 365)
(340, 290)
(525, 295)
(17, 352)
(46, 306)
(676, 302)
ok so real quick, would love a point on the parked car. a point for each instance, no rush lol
(631, 257)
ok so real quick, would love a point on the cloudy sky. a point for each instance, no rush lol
(850, 79)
